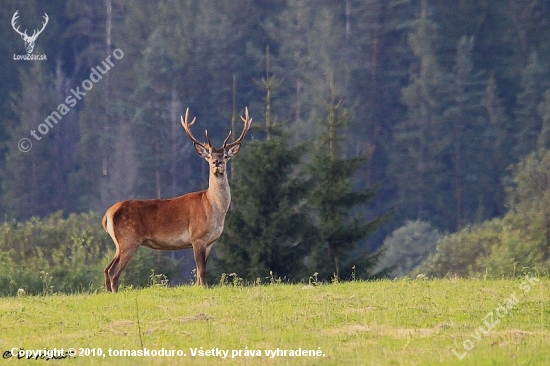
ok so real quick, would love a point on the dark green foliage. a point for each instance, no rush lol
(418, 161)
(528, 121)
(340, 223)
(158, 153)
(529, 201)
(454, 128)
(466, 129)
(509, 246)
(443, 96)
(68, 255)
(497, 248)
(268, 229)
(28, 182)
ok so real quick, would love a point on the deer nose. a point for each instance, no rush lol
(217, 163)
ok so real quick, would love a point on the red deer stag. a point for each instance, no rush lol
(194, 220)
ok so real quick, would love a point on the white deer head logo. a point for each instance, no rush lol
(29, 41)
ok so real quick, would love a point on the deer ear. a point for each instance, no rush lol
(201, 150)
(233, 150)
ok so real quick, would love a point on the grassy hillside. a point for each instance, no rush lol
(421, 322)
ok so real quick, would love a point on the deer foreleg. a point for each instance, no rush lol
(199, 252)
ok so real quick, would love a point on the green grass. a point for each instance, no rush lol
(358, 323)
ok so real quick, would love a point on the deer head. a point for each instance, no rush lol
(216, 158)
(29, 40)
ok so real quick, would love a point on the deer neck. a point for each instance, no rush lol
(218, 192)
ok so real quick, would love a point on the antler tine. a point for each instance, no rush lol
(14, 21)
(186, 118)
(247, 121)
(14, 18)
(226, 139)
(44, 23)
(207, 138)
(186, 126)
(37, 32)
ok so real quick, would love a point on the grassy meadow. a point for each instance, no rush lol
(402, 322)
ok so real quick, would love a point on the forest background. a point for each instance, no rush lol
(441, 109)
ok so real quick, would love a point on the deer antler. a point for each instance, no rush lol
(35, 34)
(247, 121)
(24, 34)
(187, 127)
(13, 21)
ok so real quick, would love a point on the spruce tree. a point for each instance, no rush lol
(418, 160)
(28, 184)
(156, 121)
(268, 231)
(496, 144)
(337, 204)
(465, 128)
(528, 121)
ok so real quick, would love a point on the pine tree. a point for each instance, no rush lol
(417, 165)
(495, 147)
(89, 188)
(337, 205)
(527, 120)
(309, 43)
(27, 181)
(268, 232)
(156, 121)
(466, 127)
(378, 58)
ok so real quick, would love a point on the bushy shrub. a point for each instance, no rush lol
(494, 249)
(407, 247)
(459, 253)
(509, 246)
(58, 254)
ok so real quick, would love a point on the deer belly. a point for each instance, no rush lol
(168, 243)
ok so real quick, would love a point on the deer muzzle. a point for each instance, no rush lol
(217, 167)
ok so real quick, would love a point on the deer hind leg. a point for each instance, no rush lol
(115, 259)
(117, 265)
